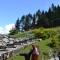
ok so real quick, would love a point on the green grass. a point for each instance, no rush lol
(43, 45)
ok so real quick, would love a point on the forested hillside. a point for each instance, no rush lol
(46, 19)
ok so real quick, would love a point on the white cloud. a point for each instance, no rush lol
(6, 29)
(1, 30)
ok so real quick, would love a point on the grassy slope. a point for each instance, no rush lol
(42, 45)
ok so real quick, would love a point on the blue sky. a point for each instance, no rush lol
(10, 10)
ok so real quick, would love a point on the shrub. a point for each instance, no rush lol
(44, 33)
(58, 37)
(13, 32)
(38, 33)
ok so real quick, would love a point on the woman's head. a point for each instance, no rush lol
(33, 46)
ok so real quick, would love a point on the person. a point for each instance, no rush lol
(35, 53)
(59, 55)
(26, 55)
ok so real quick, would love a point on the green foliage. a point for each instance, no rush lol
(13, 32)
(58, 37)
(38, 34)
(20, 35)
(52, 44)
(51, 41)
(44, 33)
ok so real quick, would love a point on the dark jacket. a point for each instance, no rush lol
(26, 55)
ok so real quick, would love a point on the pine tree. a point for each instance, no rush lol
(17, 25)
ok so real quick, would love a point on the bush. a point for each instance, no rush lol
(38, 33)
(44, 33)
(58, 37)
(13, 32)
